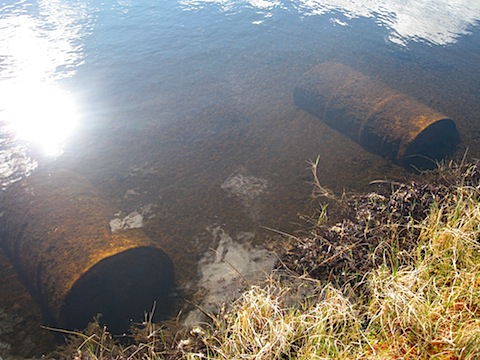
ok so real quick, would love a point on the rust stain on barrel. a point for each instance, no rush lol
(384, 121)
(56, 231)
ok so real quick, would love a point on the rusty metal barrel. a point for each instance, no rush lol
(55, 228)
(382, 120)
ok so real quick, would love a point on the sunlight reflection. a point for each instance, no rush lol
(41, 45)
(438, 22)
(41, 114)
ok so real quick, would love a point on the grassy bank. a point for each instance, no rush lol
(394, 274)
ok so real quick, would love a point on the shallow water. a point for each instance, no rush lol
(181, 112)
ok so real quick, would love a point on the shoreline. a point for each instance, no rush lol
(357, 248)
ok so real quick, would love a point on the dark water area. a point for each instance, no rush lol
(184, 113)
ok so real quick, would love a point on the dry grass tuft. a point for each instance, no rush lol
(266, 324)
(431, 308)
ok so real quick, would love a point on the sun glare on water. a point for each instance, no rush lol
(42, 115)
(41, 46)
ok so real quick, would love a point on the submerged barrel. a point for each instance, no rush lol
(382, 120)
(56, 231)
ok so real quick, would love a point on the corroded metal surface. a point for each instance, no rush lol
(382, 120)
(56, 231)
